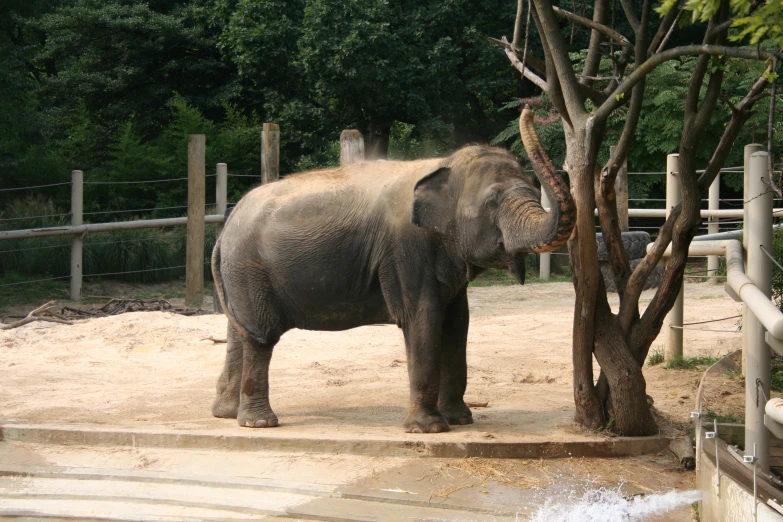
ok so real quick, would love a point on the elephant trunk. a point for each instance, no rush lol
(525, 224)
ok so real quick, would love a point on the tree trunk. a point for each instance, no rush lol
(376, 140)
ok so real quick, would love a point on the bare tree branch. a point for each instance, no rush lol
(616, 99)
(530, 61)
(665, 29)
(554, 89)
(557, 51)
(525, 71)
(593, 59)
(633, 20)
(518, 24)
(34, 316)
(592, 24)
(669, 32)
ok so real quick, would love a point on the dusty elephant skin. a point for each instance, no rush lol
(386, 242)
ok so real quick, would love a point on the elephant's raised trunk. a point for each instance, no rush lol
(533, 228)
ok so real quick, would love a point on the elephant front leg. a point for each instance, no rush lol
(254, 408)
(226, 403)
(453, 362)
(422, 343)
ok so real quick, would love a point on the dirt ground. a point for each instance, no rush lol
(153, 369)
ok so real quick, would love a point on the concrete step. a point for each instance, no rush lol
(101, 494)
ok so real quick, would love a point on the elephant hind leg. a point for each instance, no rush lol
(254, 408)
(226, 403)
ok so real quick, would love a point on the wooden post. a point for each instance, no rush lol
(194, 262)
(221, 197)
(351, 147)
(621, 192)
(221, 192)
(77, 240)
(673, 323)
(270, 153)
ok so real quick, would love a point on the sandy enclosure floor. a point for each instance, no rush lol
(152, 370)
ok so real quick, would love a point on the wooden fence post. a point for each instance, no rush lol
(221, 192)
(77, 240)
(270, 153)
(221, 197)
(194, 262)
(351, 147)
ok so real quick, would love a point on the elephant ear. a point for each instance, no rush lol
(432, 206)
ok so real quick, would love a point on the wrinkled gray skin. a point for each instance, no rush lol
(384, 242)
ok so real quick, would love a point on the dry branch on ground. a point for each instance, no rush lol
(42, 313)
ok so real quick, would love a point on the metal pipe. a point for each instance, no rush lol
(757, 353)
(103, 227)
(748, 151)
(545, 259)
(673, 322)
(713, 228)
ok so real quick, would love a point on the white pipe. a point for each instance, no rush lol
(713, 228)
(545, 259)
(709, 214)
(743, 287)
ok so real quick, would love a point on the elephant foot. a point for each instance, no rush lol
(419, 422)
(456, 413)
(262, 419)
(225, 407)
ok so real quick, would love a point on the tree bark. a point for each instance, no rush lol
(376, 140)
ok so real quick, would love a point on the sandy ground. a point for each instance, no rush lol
(152, 370)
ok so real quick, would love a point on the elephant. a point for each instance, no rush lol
(382, 242)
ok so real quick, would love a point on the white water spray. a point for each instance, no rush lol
(604, 505)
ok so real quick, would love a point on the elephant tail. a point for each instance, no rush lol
(220, 288)
(217, 276)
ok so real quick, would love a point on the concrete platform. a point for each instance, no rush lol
(266, 440)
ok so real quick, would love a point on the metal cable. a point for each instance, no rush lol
(35, 217)
(35, 281)
(714, 320)
(35, 248)
(245, 176)
(36, 186)
(138, 210)
(132, 182)
(769, 254)
(137, 182)
(704, 329)
(133, 271)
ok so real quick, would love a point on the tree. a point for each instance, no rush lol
(318, 66)
(585, 102)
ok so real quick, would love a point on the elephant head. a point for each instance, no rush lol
(483, 203)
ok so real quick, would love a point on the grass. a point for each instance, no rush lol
(691, 363)
(30, 292)
(656, 357)
(711, 415)
(776, 378)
